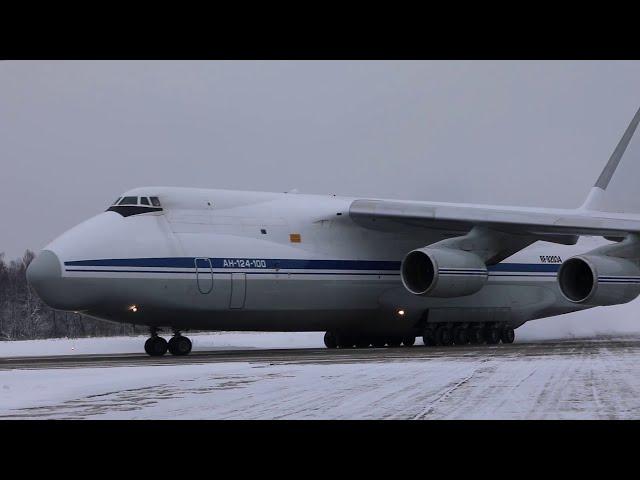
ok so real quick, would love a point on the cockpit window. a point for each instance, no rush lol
(129, 201)
(116, 202)
(128, 206)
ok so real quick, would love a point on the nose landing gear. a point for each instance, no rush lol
(157, 346)
(179, 345)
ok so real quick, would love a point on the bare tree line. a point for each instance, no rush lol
(24, 316)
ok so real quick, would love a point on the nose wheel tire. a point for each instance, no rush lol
(156, 346)
(179, 345)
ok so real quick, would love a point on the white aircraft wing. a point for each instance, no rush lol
(607, 211)
(390, 215)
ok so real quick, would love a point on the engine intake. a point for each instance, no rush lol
(599, 280)
(443, 272)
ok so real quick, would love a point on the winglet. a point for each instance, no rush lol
(595, 199)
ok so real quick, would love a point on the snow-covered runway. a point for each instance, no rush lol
(587, 378)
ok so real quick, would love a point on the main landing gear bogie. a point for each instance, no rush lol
(508, 335)
(334, 340)
(460, 336)
(177, 345)
(446, 334)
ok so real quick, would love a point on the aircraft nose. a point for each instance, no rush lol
(43, 270)
(44, 274)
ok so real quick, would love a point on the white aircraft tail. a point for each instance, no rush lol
(619, 193)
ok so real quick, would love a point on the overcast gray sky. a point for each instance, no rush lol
(74, 135)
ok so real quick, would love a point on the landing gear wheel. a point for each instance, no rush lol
(492, 336)
(508, 335)
(394, 341)
(408, 341)
(345, 341)
(179, 345)
(330, 340)
(155, 346)
(429, 337)
(444, 336)
(475, 335)
(148, 346)
(460, 336)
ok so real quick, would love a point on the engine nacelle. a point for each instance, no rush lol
(443, 272)
(599, 280)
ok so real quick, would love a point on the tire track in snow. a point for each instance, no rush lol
(430, 408)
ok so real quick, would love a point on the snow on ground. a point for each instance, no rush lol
(201, 342)
(600, 382)
(585, 379)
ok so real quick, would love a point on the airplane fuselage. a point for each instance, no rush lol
(231, 260)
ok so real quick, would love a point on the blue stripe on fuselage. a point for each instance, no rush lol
(232, 263)
(525, 267)
(289, 264)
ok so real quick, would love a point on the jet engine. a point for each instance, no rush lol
(599, 280)
(443, 272)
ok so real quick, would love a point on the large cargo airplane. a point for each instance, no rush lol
(368, 272)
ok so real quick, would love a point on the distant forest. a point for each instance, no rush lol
(24, 316)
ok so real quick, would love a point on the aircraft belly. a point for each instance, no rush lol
(317, 292)
(271, 301)
(281, 302)
(513, 300)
